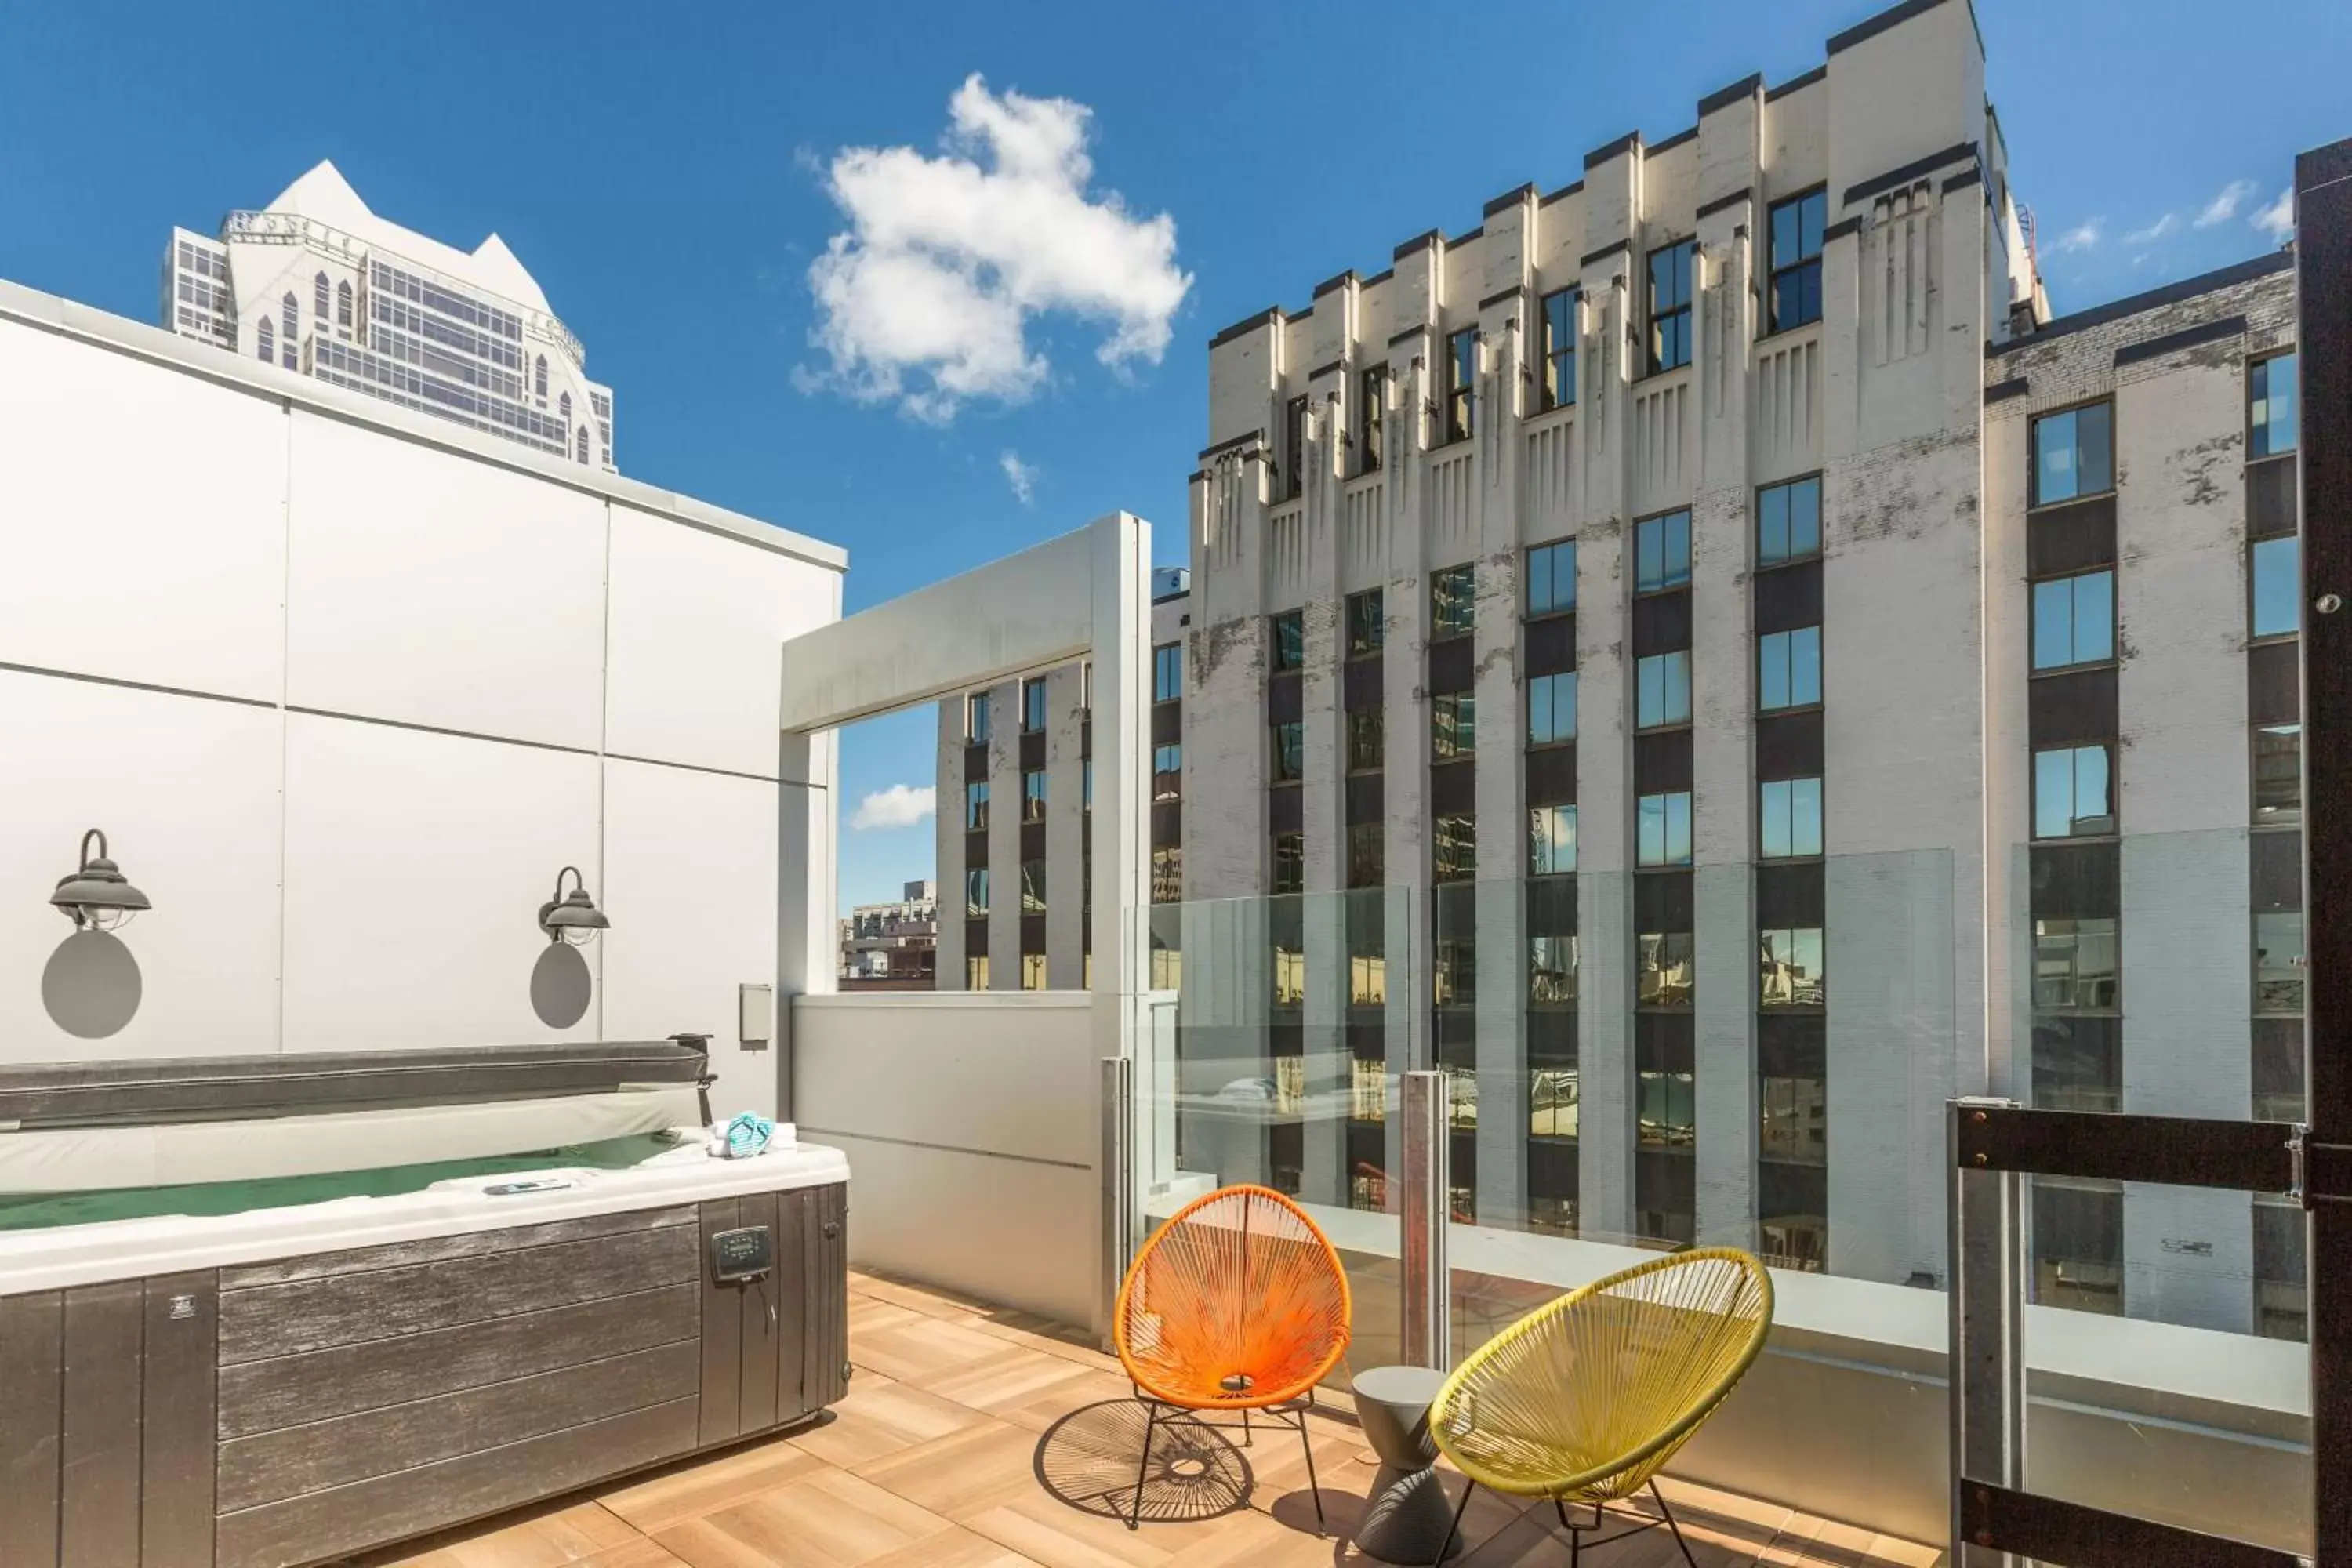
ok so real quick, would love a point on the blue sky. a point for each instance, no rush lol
(664, 172)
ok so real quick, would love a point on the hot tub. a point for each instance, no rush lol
(207, 1385)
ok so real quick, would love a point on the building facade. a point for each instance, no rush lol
(316, 283)
(893, 943)
(1015, 782)
(1624, 668)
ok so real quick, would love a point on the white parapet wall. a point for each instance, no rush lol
(347, 685)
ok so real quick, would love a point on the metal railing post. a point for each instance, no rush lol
(1426, 1333)
(1986, 1294)
(1117, 1192)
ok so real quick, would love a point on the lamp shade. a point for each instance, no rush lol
(97, 894)
(572, 917)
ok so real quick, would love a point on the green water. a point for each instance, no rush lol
(36, 1211)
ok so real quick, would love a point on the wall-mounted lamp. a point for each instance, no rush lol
(572, 918)
(96, 897)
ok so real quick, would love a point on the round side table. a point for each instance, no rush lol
(1407, 1515)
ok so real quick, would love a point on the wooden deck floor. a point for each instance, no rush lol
(978, 1439)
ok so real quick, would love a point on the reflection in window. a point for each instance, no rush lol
(2077, 1062)
(1551, 1105)
(1788, 521)
(975, 805)
(1290, 639)
(975, 716)
(1461, 383)
(1670, 299)
(2270, 417)
(1796, 1120)
(1795, 291)
(1452, 726)
(2073, 792)
(1456, 968)
(2280, 962)
(1551, 841)
(2278, 774)
(2278, 587)
(1294, 476)
(1366, 855)
(1367, 740)
(1788, 669)
(1551, 708)
(1662, 552)
(1454, 856)
(1167, 874)
(1666, 1109)
(2282, 1289)
(1032, 794)
(975, 972)
(1662, 829)
(1551, 971)
(1551, 578)
(1789, 968)
(1033, 971)
(1290, 862)
(1555, 320)
(1032, 705)
(2078, 1230)
(1367, 623)
(1662, 970)
(1290, 977)
(1661, 689)
(2073, 453)
(344, 304)
(2076, 963)
(1166, 672)
(1788, 818)
(1032, 887)
(1371, 393)
(1452, 603)
(1289, 751)
(1168, 771)
(2075, 620)
(975, 890)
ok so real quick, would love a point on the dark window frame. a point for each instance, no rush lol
(1439, 630)
(1792, 557)
(2295, 402)
(1679, 314)
(2034, 667)
(1556, 739)
(1667, 583)
(1375, 600)
(1787, 638)
(2034, 499)
(1552, 359)
(1459, 411)
(1294, 478)
(1551, 552)
(1032, 705)
(1165, 658)
(1777, 269)
(1371, 405)
(1286, 632)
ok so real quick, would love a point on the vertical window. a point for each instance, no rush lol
(1085, 784)
(1372, 397)
(1551, 708)
(1293, 427)
(2279, 962)
(1789, 968)
(1558, 321)
(2078, 1245)
(2278, 587)
(1032, 705)
(975, 717)
(1289, 751)
(1552, 983)
(1167, 873)
(1666, 1109)
(2075, 620)
(1366, 855)
(1551, 841)
(1788, 669)
(1087, 685)
(2073, 453)
(2073, 792)
(1551, 578)
(1032, 887)
(1788, 818)
(1290, 639)
(320, 294)
(2076, 965)
(1796, 237)
(1168, 771)
(1461, 383)
(264, 340)
(1788, 522)
(1367, 623)
(1453, 855)
(975, 890)
(1166, 672)
(1663, 972)
(1661, 689)
(290, 328)
(1670, 299)
(1033, 971)
(1290, 862)
(1452, 726)
(582, 444)
(975, 806)
(2270, 418)
(1662, 552)
(563, 406)
(343, 305)
(1662, 829)
(1453, 602)
(539, 377)
(1796, 1121)
(1032, 794)
(975, 972)
(2278, 774)
(1367, 741)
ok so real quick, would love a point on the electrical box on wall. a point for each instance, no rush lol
(755, 1015)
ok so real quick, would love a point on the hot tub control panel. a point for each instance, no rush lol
(745, 1253)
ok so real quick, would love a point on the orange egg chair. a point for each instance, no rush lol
(1237, 1302)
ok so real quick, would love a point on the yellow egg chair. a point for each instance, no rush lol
(1584, 1400)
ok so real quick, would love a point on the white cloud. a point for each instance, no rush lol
(2081, 237)
(2224, 206)
(924, 300)
(900, 805)
(2276, 220)
(1020, 475)
(2157, 230)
